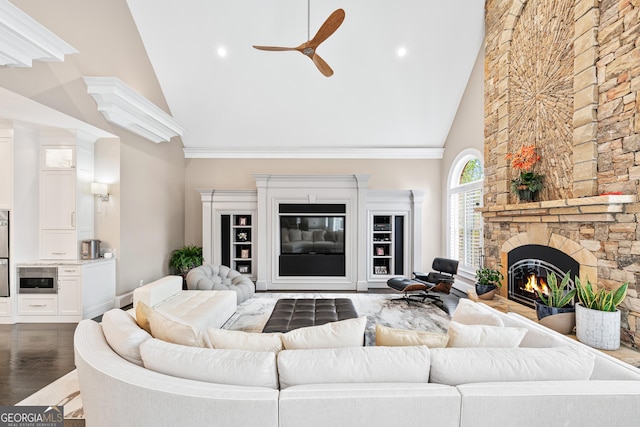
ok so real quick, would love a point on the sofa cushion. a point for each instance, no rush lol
(174, 331)
(343, 333)
(386, 336)
(484, 336)
(155, 292)
(233, 367)
(353, 365)
(240, 340)
(201, 309)
(471, 313)
(453, 366)
(123, 334)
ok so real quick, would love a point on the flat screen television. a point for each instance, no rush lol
(311, 234)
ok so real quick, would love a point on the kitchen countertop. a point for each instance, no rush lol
(55, 262)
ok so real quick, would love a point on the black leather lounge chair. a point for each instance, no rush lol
(423, 286)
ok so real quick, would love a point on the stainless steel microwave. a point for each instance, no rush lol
(37, 280)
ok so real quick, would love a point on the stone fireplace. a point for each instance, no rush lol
(568, 84)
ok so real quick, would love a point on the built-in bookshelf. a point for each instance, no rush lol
(238, 242)
(387, 246)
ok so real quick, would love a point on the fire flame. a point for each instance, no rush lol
(535, 283)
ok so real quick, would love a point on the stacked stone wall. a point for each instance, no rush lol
(591, 130)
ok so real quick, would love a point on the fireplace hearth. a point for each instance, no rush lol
(528, 268)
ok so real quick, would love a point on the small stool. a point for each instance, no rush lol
(294, 313)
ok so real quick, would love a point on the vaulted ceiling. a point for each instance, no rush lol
(277, 104)
(251, 103)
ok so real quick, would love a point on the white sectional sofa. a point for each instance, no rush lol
(547, 380)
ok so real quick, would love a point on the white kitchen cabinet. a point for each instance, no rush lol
(38, 304)
(58, 210)
(70, 290)
(58, 244)
(66, 202)
(86, 289)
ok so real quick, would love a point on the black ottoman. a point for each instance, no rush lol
(296, 313)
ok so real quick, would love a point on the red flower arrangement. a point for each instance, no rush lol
(523, 161)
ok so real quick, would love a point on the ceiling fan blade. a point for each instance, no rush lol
(274, 48)
(329, 27)
(322, 65)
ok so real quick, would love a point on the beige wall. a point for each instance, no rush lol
(228, 174)
(467, 130)
(152, 209)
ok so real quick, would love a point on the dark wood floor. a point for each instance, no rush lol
(33, 355)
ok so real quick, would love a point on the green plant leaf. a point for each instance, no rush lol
(620, 294)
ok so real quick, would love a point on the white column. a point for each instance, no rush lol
(206, 197)
(417, 201)
(264, 257)
(362, 182)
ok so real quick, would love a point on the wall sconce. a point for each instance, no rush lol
(100, 190)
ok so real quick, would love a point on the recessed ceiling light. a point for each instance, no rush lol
(222, 52)
(402, 51)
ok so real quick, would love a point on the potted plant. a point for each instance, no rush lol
(555, 310)
(488, 280)
(597, 315)
(184, 259)
(527, 184)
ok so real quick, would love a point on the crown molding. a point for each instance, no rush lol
(24, 40)
(126, 108)
(315, 153)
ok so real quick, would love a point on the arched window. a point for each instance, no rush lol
(465, 224)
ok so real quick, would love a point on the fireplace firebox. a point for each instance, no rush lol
(528, 268)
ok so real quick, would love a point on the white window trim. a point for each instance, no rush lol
(453, 188)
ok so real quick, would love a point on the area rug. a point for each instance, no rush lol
(252, 315)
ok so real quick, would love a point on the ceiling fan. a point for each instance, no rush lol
(309, 47)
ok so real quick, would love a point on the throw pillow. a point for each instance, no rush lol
(484, 336)
(173, 331)
(386, 336)
(470, 313)
(318, 235)
(307, 236)
(295, 234)
(233, 367)
(123, 334)
(284, 235)
(343, 333)
(454, 366)
(143, 311)
(240, 340)
(354, 365)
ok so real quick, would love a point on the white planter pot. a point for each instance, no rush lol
(598, 329)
